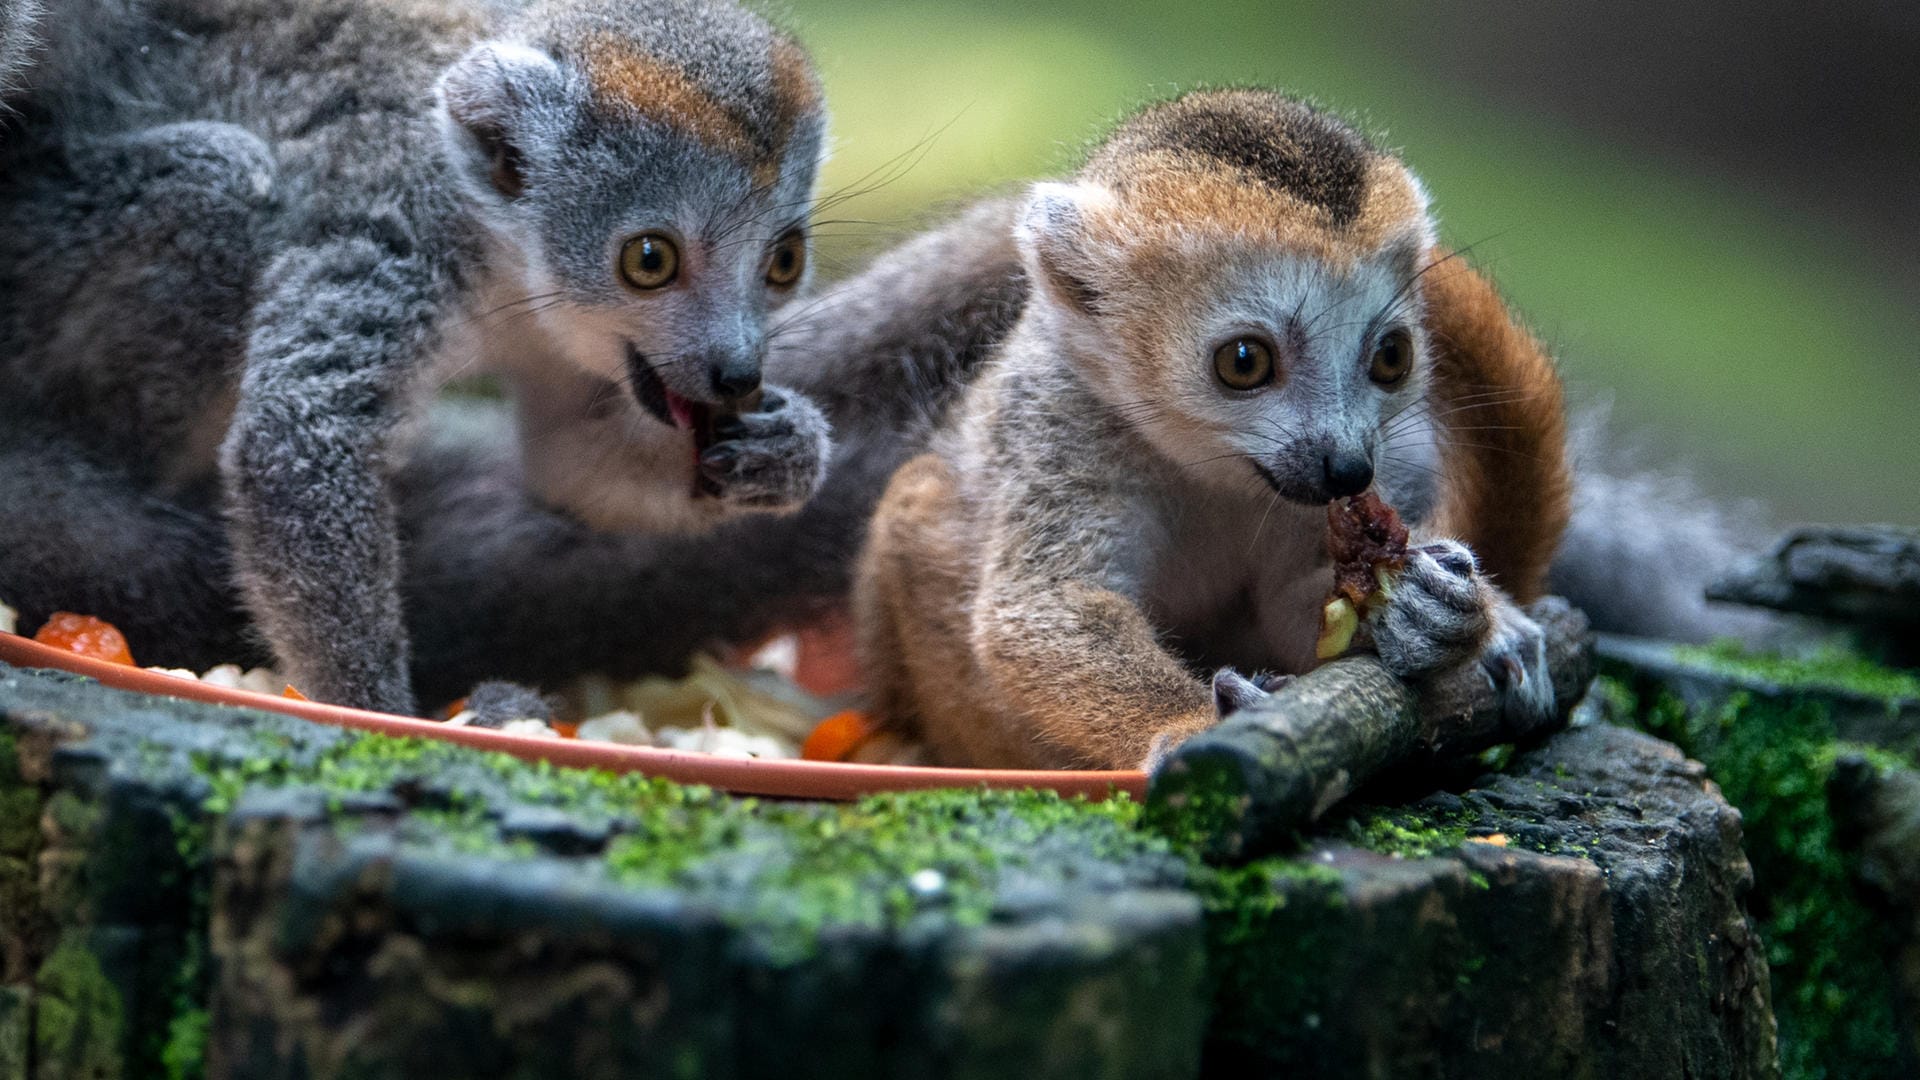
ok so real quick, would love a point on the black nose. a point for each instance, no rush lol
(1347, 474)
(734, 379)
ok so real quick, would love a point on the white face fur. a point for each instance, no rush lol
(1254, 368)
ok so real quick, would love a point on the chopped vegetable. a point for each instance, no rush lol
(1338, 623)
(86, 636)
(296, 695)
(838, 736)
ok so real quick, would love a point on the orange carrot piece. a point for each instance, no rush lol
(838, 736)
(296, 695)
(85, 635)
(566, 730)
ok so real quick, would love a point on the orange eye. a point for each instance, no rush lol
(649, 261)
(1244, 364)
(789, 259)
(1392, 358)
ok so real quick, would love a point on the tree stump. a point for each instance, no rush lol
(258, 896)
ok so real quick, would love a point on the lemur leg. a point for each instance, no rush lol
(1043, 665)
(79, 533)
(123, 275)
(336, 347)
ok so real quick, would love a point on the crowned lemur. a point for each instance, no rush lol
(242, 240)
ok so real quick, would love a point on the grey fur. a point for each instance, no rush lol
(18, 19)
(1645, 543)
(499, 585)
(331, 258)
(495, 704)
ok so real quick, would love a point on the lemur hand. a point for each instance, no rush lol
(1232, 692)
(1445, 621)
(771, 459)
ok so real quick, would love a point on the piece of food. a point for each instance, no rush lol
(1368, 545)
(296, 695)
(838, 736)
(85, 635)
(619, 726)
(9, 620)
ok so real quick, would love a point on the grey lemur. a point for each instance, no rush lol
(241, 240)
(1240, 313)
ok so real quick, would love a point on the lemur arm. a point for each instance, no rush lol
(335, 348)
(1069, 651)
(1498, 407)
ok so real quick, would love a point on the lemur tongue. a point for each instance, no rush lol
(681, 410)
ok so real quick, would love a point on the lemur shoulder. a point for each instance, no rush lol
(244, 239)
(1240, 313)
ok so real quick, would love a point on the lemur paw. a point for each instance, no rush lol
(1515, 662)
(1233, 691)
(772, 459)
(1440, 612)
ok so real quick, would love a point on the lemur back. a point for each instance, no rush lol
(1235, 319)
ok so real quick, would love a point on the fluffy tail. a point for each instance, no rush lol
(1644, 544)
(1499, 410)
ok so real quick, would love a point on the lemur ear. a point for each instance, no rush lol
(482, 95)
(1052, 237)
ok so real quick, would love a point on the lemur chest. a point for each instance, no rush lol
(1240, 583)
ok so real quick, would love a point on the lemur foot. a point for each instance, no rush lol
(1515, 663)
(1440, 613)
(772, 459)
(1233, 691)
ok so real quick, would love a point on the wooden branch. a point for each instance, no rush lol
(1243, 787)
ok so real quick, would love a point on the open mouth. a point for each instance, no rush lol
(666, 406)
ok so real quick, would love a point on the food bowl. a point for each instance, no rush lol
(744, 776)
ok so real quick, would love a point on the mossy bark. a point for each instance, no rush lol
(380, 907)
(1773, 732)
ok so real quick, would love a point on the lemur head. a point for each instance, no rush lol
(1236, 274)
(650, 169)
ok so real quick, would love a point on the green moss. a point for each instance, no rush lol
(1405, 833)
(875, 863)
(1772, 758)
(1268, 935)
(78, 1015)
(780, 871)
(1197, 807)
(1829, 668)
(19, 847)
(185, 1055)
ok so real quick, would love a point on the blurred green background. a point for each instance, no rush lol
(1709, 210)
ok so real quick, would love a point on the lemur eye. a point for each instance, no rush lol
(649, 261)
(789, 259)
(1392, 358)
(1244, 364)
